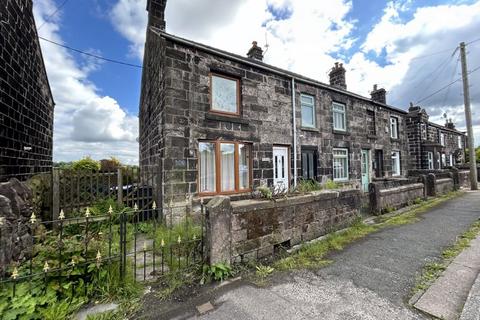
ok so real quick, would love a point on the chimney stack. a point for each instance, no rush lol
(156, 13)
(379, 95)
(449, 124)
(255, 52)
(337, 76)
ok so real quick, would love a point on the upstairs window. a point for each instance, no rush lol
(394, 127)
(339, 117)
(423, 131)
(225, 94)
(371, 122)
(459, 138)
(308, 110)
(442, 138)
(396, 171)
(225, 167)
(340, 164)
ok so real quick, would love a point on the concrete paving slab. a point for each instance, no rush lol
(471, 309)
(446, 297)
(97, 309)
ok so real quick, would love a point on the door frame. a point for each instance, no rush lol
(285, 146)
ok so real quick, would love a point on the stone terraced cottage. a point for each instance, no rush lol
(213, 122)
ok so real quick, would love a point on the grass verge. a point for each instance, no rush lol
(433, 270)
(313, 255)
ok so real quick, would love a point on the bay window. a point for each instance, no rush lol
(340, 164)
(225, 167)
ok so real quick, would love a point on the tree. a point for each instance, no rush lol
(86, 163)
(111, 164)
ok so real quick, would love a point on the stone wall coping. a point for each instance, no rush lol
(445, 180)
(260, 204)
(413, 186)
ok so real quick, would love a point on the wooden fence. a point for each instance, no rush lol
(72, 190)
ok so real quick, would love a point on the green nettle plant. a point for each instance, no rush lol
(216, 272)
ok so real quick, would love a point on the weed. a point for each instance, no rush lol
(330, 184)
(266, 192)
(264, 271)
(417, 201)
(216, 272)
(433, 270)
(305, 186)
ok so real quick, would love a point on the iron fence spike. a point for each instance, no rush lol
(62, 215)
(33, 218)
(14, 273)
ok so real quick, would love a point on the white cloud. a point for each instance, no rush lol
(85, 123)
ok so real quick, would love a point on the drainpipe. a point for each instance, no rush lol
(294, 135)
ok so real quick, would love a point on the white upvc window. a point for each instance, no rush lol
(339, 117)
(442, 138)
(308, 110)
(444, 160)
(451, 160)
(439, 164)
(430, 160)
(396, 171)
(340, 164)
(459, 138)
(394, 127)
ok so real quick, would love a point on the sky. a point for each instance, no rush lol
(407, 47)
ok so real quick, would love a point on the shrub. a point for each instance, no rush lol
(86, 163)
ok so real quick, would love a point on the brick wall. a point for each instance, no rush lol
(26, 103)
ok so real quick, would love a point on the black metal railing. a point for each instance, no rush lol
(75, 255)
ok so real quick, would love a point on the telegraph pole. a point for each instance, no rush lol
(468, 118)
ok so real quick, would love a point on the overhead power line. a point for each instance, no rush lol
(445, 87)
(52, 14)
(91, 54)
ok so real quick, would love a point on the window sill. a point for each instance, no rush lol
(372, 136)
(309, 129)
(225, 118)
(345, 133)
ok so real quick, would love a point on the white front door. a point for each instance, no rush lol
(280, 168)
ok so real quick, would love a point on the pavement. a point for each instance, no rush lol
(370, 279)
(445, 298)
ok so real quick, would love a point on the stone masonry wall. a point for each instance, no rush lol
(265, 120)
(258, 227)
(444, 186)
(26, 103)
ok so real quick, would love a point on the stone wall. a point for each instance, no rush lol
(26, 103)
(395, 193)
(444, 186)
(256, 228)
(464, 178)
(15, 211)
